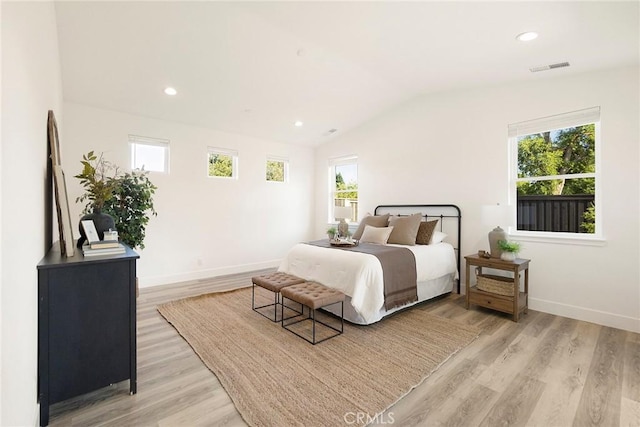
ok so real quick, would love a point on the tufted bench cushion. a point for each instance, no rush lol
(273, 282)
(313, 295)
(276, 281)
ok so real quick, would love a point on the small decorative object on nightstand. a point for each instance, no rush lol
(509, 250)
(512, 304)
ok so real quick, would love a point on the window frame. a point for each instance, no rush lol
(278, 159)
(556, 122)
(135, 140)
(224, 152)
(333, 192)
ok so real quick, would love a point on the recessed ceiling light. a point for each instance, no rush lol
(170, 91)
(526, 37)
(298, 123)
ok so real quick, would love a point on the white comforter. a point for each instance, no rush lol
(359, 275)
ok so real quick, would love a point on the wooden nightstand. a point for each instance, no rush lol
(507, 304)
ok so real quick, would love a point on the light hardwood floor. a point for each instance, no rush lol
(543, 371)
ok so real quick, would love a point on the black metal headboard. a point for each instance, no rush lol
(450, 222)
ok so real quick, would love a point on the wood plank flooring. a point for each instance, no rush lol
(543, 371)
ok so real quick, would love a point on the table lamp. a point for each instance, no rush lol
(341, 213)
(493, 215)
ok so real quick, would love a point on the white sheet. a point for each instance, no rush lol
(359, 275)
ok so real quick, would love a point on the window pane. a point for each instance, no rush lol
(344, 175)
(569, 208)
(148, 157)
(557, 152)
(220, 165)
(276, 170)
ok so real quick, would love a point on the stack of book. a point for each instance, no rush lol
(103, 247)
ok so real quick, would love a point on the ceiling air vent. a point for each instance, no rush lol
(330, 132)
(549, 67)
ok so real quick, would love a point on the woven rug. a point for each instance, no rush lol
(277, 379)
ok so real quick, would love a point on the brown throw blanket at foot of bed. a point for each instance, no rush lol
(398, 270)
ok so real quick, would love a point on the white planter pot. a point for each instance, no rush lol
(508, 256)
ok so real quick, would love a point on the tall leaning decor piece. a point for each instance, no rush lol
(60, 188)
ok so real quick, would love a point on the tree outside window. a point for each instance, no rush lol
(345, 186)
(277, 170)
(222, 163)
(556, 180)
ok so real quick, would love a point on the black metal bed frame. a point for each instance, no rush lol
(440, 211)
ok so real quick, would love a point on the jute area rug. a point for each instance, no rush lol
(277, 379)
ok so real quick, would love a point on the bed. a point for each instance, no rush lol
(360, 275)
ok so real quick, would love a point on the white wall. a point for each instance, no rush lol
(205, 226)
(31, 86)
(452, 148)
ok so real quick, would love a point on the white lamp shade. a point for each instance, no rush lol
(495, 215)
(342, 212)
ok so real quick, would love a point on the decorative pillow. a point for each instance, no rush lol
(374, 221)
(378, 235)
(425, 231)
(405, 229)
(438, 236)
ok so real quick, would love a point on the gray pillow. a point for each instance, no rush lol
(374, 221)
(405, 229)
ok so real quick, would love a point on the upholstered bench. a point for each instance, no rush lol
(273, 282)
(313, 296)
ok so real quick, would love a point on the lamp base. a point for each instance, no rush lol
(343, 228)
(496, 235)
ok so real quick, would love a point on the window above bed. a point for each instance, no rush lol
(343, 187)
(554, 176)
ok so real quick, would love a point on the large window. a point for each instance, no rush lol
(555, 174)
(222, 163)
(150, 154)
(343, 187)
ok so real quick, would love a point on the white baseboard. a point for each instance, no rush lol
(589, 315)
(149, 281)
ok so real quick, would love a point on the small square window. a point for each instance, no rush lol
(222, 163)
(277, 170)
(150, 154)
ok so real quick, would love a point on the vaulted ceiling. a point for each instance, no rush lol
(255, 68)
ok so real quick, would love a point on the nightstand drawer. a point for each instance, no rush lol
(494, 301)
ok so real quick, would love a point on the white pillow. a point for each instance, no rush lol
(378, 235)
(437, 237)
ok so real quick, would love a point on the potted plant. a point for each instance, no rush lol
(131, 206)
(98, 177)
(509, 249)
(332, 232)
(126, 200)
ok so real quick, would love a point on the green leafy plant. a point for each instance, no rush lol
(131, 206)
(332, 231)
(507, 246)
(128, 198)
(98, 177)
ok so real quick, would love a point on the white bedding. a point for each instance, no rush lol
(359, 275)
